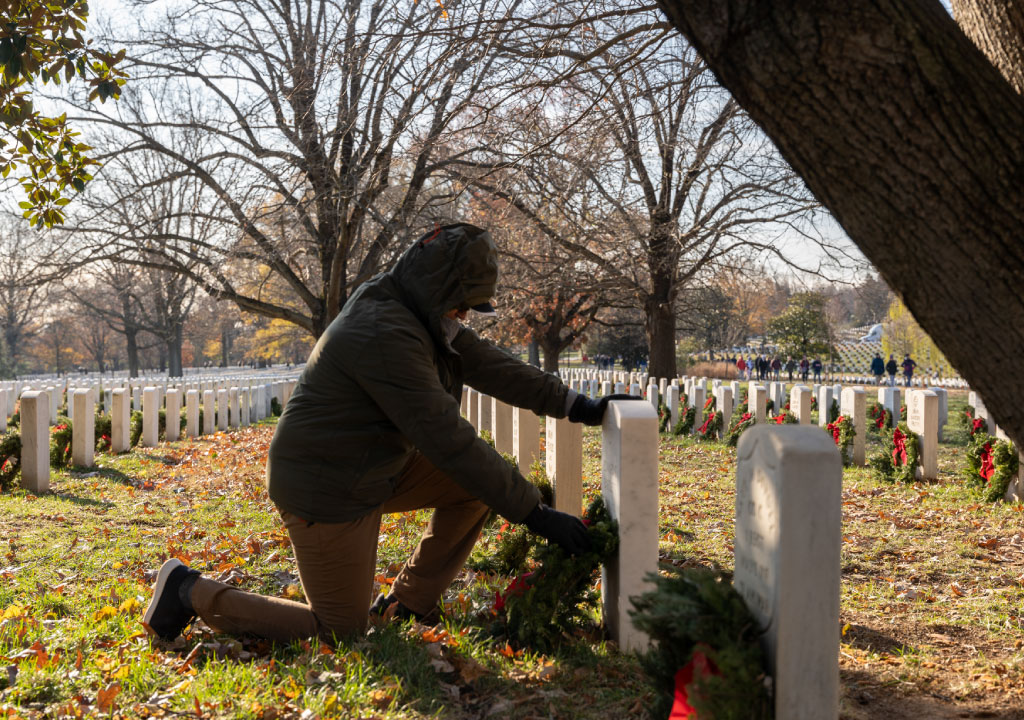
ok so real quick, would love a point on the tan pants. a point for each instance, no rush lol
(337, 561)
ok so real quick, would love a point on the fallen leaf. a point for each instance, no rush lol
(442, 666)
(469, 669)
(105, 697)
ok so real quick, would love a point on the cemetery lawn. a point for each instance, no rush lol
(930, 607)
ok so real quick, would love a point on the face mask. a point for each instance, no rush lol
(450, 327)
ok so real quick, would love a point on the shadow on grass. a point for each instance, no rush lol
(115, 475)
(82, 501)
(168, 460)
(435, 683)
(866, 638)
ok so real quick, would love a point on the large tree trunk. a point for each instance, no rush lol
(225, 346)
(533, 350)
(174, 352)
(903, 129)
(660, 323)
(997, 28)
(551, 350)
(132, 350)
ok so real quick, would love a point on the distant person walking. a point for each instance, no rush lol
(891, 367)
(776, 366)
(790, 367)
(741, 365)
(878, 368)
(805, 367)
(908, 369)
(816, 368)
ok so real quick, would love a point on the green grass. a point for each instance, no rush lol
(932, 598)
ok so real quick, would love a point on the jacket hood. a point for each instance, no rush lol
(446, 268)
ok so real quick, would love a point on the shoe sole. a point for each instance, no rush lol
(161, 579)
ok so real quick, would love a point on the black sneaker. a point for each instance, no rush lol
(382, 605)
(168, 614)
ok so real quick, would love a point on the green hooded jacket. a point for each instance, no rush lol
(384, 381)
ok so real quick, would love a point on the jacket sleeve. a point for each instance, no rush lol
(399, 375)
(494, 372)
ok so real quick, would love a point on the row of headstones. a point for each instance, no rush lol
(927, 410)
(788, 516)
(628, 379)
(516, 432)
(279, 388)
(921, 382)
(227, 408)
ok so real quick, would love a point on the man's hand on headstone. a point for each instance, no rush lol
(559, 527)
(591, 412)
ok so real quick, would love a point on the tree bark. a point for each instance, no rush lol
(225, 347)
(551, 349)
(132, 350)
(997, 28)
(902, 128)
(660, 322)
(533, 350)
(174, 352)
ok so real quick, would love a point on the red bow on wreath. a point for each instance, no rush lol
(836, 430)
(899, 451)
(518, 586)
(976, 425)
(703, 429)
(780, 419)
(698, 668)
(987, 468)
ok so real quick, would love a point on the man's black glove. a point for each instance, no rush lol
(559, 527)
(591, 412)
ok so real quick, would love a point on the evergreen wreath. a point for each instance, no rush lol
(899, 457)
(664, 417)
(738, 412)
(10, 458)
(785, 418)
(842, 432)
(903, 413)
(833, 411)
(686, 419)
(135, 427)
(60, 442)
(713, 421)
(102, 428)
(992, 464)
(973, 425)
(539, 609)
(515, 544)
(745, 421)
(710, 404)
(973, 455)
(881, 419)
(275, 407)
(707, 657)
